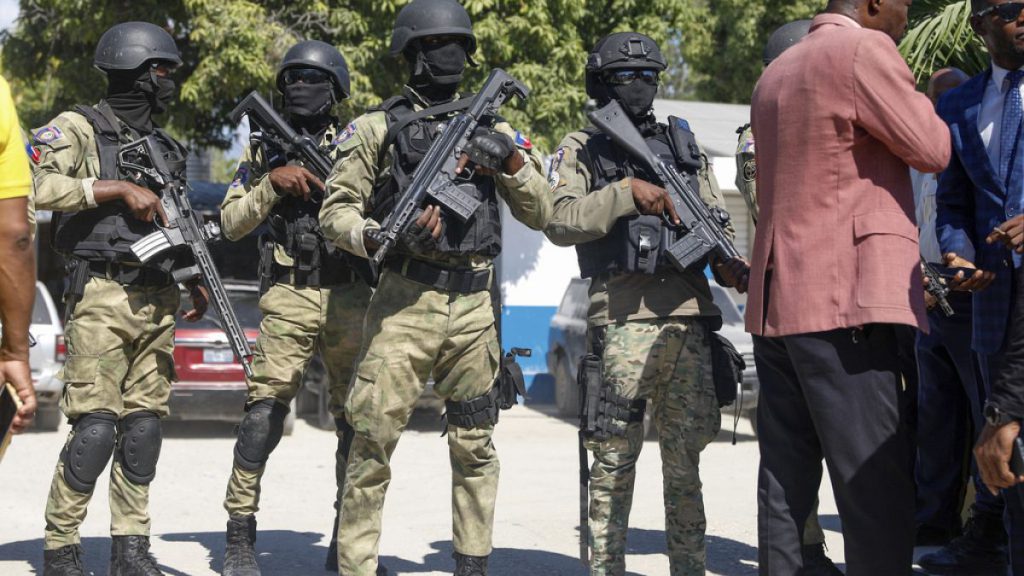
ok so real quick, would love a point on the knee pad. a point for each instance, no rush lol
(139, 445)
(259, 433)
(475, 412)
(86, 454)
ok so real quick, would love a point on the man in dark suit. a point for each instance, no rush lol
(1005, 409)
(982, 188)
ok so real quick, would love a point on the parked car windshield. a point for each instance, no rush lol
(40, 314)
(245, 303)
(730, 313)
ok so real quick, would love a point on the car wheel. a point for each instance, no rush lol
(567, 394)
(48, 419)
(289, 421)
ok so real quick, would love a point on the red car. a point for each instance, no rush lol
(211, 383)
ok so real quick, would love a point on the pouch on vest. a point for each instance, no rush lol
(643, 246)
(511, 383)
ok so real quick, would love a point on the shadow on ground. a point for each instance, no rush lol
(95, 555)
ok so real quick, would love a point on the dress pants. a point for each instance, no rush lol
(950, 397)
(840, 395)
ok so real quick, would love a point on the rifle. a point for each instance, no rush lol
(272, 128)
(704, 225)
(435, 176)
(936, 286)
(184, 228)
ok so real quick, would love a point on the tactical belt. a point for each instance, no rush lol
(460, 281)
(324, 276)
(128, 275)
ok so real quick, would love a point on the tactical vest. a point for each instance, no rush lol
(635, 243)
(295, 226)
(481, 234)
(106, 233)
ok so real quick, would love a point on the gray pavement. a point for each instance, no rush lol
(535, 530)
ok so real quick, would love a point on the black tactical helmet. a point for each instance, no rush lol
(319, 55)
(129, 45)
(784, 37)
(631, 50)
(422, 18)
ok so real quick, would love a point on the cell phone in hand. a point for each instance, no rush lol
(9, 404)
(950, 272)
(1017, 457)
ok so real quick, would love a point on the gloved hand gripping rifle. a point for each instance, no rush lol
(184, 228)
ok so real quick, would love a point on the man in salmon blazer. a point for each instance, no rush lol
(835, 285)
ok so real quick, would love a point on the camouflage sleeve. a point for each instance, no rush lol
(250, 196)
(579, 214)
(525, 192)
(350, 185)
(710, 193)
(59, 157)
(746, 171)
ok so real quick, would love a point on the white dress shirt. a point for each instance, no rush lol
(990, 117)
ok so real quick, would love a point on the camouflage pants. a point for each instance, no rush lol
(411, 332)
(120, 360)
(296, 322)
(669, 363)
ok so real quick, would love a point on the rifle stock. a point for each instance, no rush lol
(264, 119)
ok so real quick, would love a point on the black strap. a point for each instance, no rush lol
(129, 275)
(105, 124)
(584, 501)
(449, 280)
(403, 119)
(335, 274)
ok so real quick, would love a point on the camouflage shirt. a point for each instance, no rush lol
(357, 173)
(581, 215)
(746, 170)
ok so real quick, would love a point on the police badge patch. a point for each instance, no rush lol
(48, 134)
(345, 135)
(556, 161)
(749, 171)
(241, 176)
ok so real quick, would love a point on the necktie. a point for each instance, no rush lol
(1010, 127)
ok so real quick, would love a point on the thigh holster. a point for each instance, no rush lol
(603, 413)
(475, 412)
(86, 454)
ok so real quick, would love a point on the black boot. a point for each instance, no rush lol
(240, 555)
(470, 565)
(129, 556)
(979, 551)
(816, 563)
(64, 561)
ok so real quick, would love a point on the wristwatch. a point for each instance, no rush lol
(995, 416)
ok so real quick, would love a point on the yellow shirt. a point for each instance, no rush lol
(15, 179)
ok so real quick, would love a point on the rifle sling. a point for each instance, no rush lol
(405, 119)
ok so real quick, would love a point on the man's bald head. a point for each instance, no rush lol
(943, 81)
(888, 16)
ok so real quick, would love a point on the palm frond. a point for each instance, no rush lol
(943, 38)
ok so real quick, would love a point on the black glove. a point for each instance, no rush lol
(417, 237)
(489, 149)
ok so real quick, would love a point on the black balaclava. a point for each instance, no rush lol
(136, 95)
(435, 72)
(637, 97)
(312, 101)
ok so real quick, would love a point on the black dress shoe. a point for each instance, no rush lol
(816, 563)
(979, 551)
(934, 536)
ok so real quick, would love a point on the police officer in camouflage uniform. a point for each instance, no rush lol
(431, 314)
(815, 563)
(649, 324)
(315, 298)
(120, 335)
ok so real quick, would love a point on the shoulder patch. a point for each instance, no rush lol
(33, 152)
(747, 147)
(345, 135)
(48, 135)
(556, 162)
(241, 176)
(749, 171)
(522, 141)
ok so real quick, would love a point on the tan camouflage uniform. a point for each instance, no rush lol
(120, 340)
(413, 332)
(656, 346)
(297, 321)
(746, 183)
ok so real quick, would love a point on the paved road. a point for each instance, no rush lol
(536, 517)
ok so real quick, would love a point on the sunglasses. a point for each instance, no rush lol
(623, 77)
(305, 76)
(1008, 12)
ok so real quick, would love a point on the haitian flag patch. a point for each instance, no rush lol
(241, 176)
(522, 141)
(33, 153)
